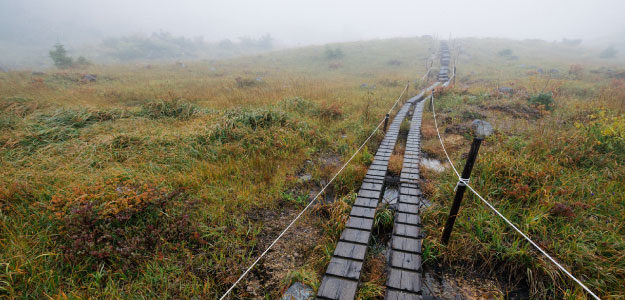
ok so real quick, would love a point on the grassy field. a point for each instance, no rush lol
(555, 169)
(166, 180)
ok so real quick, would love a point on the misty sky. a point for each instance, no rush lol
(304, 22)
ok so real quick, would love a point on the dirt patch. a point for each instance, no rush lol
(453, 142)
(460, 129)
(288, 254)
(516, 110)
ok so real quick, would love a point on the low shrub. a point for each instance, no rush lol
(121, 223)
(543, 99)
(176, 108)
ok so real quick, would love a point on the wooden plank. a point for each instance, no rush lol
(408, 208)
(350, 250)
(359, 223)
(337, 288)
(401, 295)
(407, 230)
(409, 199)
(369, 194)
(344, 268)
(409, 191)
(366, 202)
(404, 280)
(355, 235)
(408, 261)
(406, 244)
(376, 173)
(371, 186)
(358, 211)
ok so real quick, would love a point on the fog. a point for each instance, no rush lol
(31, 26)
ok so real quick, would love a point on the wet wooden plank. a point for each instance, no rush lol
(337, 288)
(342, 267)
(404, 280)
(409, 199)
(408, 261)
(406, 244)
(376, 173)
(358, 211)
(359, 223)
(350, 250)
(409, 191)
(355, 235)
(378, 167)
(409, 176)
(369, 193)
(371, 186)
(407, 230)
(408, 208)
(366, 202)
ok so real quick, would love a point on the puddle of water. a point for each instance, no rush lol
(391, 194)
(432, 164)
(446, 286)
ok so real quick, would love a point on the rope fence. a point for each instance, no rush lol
(465, 182)
(313, 200)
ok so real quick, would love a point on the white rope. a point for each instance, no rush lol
(466, 183)
(311, 202)
(398, 98)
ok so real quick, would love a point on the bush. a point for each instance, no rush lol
(335, 53)
(609, 52)
(121, 223)
(544, 99)
(505, 52)
(176, 108)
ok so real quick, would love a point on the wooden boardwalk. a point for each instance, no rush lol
(404, 272)
(342, 275)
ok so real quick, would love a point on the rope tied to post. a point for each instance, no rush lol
(461, 182)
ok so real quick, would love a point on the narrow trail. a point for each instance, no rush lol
(404, 279)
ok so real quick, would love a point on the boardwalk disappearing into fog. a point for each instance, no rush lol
(342, 275)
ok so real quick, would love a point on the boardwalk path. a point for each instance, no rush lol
(342, 275)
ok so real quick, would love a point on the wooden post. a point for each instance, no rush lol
(482, 129)
(454, 75)
(385, 122)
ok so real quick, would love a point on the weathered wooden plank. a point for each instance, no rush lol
(404, 260)
(406, 244)
(404, 190)
(408, 208)
(355, 235)
(407, 230)
(350, 250)
(358, 211)
(401, 295)
(369, 193)
(409, 176)
(404, 280)
(359, 223)
(376, 172)
(337, 288)
(409, 199)
(366, 202)
(343, 267)
(371, 186)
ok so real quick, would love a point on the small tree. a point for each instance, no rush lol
(609, 52)
(60, 58)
